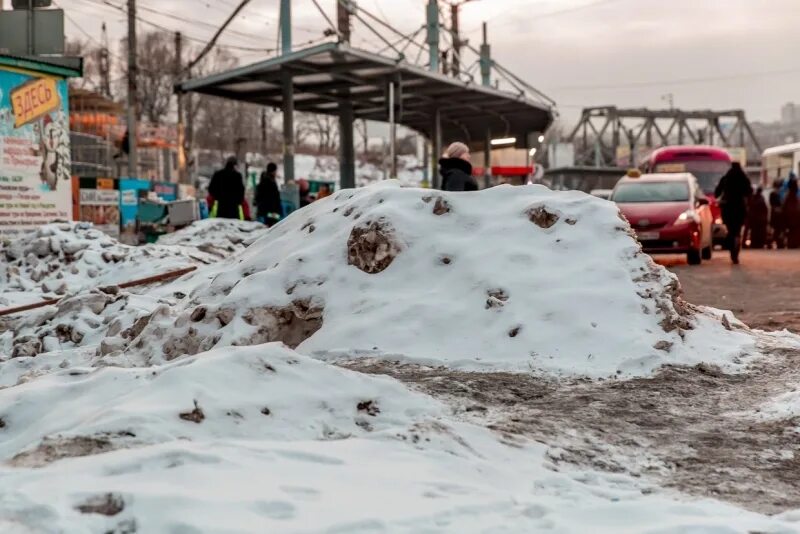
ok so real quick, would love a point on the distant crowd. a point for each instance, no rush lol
(226, 195)
(774, 222)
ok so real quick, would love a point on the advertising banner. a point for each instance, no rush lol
(35, 181)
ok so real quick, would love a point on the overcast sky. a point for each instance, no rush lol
(707, 53)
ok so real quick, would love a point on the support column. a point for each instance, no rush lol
(343, 20)
(486, 60)
(487, 159)
(392, 133)
(286, 26)
(432, 26)
(436, 148)
(741, 130)
(455, 67)
(182, 175)
(133, 162)
(288, 126)
(426, 170)
(347, 163)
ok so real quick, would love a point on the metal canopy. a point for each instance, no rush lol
(326, 75)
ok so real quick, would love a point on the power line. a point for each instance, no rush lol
(544, 15)
(221, 29)
(678, 81)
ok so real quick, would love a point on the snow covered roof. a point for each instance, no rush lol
(781, 149)
(659, 177)
(325, 74)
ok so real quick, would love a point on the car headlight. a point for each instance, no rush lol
(686, 217)
(718, 220)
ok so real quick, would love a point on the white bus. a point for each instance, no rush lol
(778, 161)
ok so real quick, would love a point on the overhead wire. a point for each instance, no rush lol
(680, 81)
(216, 35)
(327, 19)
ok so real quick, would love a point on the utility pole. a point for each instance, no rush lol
(670, 98)
(182, 178)
(432, 25)
(105, 65)
(486, 59)
(347, 152)
(343, 20)
(456, 62)
(133, 169)
(264, 132)
(31, 30)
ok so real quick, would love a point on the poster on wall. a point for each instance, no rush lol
(101, 208)
(35, 181)
(98, 202)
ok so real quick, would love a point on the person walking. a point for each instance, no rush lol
(456, 169)
(226, 193)
(733, 191)
(757, 219)
(268, 197)
(776, 214)
(791, 214)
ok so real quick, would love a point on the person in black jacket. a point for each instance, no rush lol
(226, 193)
(456, 169)
(733, 191)
(268, 197)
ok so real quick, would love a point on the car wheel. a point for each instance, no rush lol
(707, 252)
(694, 257)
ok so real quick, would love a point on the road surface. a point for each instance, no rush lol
(763, 291)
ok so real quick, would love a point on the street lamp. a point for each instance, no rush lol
(500, 141)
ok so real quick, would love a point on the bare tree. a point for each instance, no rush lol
(361, 129)
(197, 106)
(326, 130)
(156, 58)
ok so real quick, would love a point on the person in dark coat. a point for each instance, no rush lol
(791, 215)
(226, 193)
(757, 219)
(776, 214)
(268, 197)
(734, 191)
(456, 169)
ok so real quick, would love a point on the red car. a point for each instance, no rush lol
(669, 212)
(706, 163)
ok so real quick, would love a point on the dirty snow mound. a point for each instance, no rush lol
(66, 258)
(513, 278)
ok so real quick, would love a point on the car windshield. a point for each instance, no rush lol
(707, 173)
(632, 192)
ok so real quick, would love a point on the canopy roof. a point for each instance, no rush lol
(329, 73)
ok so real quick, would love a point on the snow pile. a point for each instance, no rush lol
(222, 237)
(262, 439)
(66, 258)
(511, 278)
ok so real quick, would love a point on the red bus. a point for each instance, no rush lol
(706, 163)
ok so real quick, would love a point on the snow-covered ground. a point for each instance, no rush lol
(70, 257)
(178, 409)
